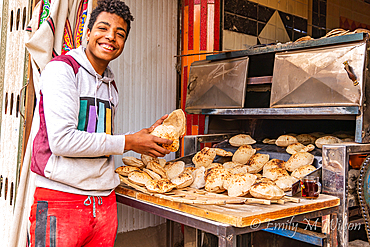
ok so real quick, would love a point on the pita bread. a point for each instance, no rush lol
(190, 169)
(308, 148)
(204, 157)
(176, 119)
(214, 165)
(132, 161)
(230, 165)
(152, 174)
(285, 182)
(239, 169)
(256, 162)
(215, 178)
(199, 181)
(263, 180)
(274, 173)
(241, 140)
(183, 180)
(266, 190)
(139, 177)
(299, 159)
(294, 148)
(303, 171)
(125, 170)
(146, 159)
(243, 154)
(162, 162)
(239, 184)
(306, 139)
(269, 141)
(157, 168)
(168, 132)
(223, 153)
(160, 186)
(327, 140)
(285, 140)
(274, 163)
(174, 169)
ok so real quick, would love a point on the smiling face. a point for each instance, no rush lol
(106, 40)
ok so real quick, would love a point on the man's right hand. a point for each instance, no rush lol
(144, 143)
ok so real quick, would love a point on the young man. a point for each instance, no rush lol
(74, 201)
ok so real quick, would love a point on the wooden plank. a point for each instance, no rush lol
(240, 215)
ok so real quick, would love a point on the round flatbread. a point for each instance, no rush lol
(160, 186)
(168, 132)
(176, 119)
(132, 161)
(256, 162)
(285, 140)
(303, 171)
(125, 170)
(241, 140)
(204, 157)
(299, 159)
(174, 169)
(285, 182)
(327, 140)
(243, 154)
(239, 184)
(266, 190)
(275, 173)
(139, 177)
(183, 180)
(274, 163)
(215, 178)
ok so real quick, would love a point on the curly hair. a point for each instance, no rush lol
(114, 7)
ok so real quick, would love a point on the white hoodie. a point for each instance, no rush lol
(73, 148)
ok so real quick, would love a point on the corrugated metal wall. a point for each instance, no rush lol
(146, 79)
(12, 78)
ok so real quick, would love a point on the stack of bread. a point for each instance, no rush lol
(156, 174)
(248, 172)
(307, 142)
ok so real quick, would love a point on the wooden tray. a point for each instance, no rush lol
(239, 215)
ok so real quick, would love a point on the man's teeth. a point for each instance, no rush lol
(107, 47)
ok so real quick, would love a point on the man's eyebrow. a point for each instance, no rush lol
(107, 23)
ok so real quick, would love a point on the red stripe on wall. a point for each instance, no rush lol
(203, 25)
(217, 26)
(196, 1)
(185, 87)
(189, 119)
(186, 2)
(195, 119)
(191, 25)
(202, 119)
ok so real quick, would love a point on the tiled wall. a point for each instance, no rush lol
(248, 23)
(348, 14)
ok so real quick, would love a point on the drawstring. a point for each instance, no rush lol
(87, 202)
(96, 90)
(110, 94)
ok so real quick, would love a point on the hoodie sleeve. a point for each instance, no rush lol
(61, 106)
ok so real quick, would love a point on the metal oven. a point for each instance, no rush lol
(301, 87)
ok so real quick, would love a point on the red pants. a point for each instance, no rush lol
(60, 219)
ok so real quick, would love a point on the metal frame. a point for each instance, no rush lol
(335, 180)
(226, 233)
